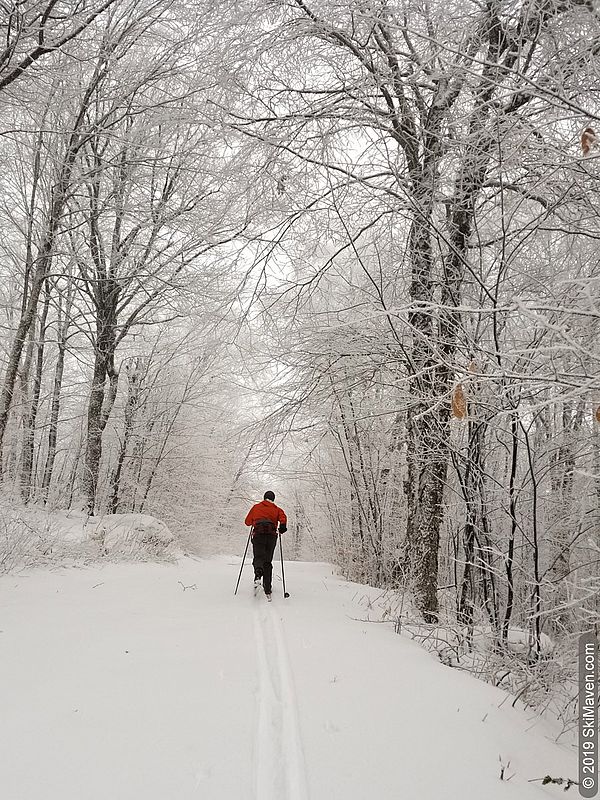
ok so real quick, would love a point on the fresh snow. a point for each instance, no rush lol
(30, 535)
(142, 680)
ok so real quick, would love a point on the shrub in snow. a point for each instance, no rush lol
(132, 535)
(31, 536)
(518, 641)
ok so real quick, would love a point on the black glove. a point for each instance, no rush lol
(282, 528)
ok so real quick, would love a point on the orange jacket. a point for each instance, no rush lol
(266, 510)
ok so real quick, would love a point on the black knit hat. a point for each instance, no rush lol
(269, 496)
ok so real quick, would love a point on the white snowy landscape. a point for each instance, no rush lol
(326, 270)
(151, 681)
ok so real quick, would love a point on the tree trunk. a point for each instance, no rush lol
(101, 400)
(427, 468)
(30, 418)
(477, 585)
(512, 498)
(135, 372)
(63, 328)
(562, 495)
(427, 420)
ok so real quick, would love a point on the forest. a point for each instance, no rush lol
(345, 249)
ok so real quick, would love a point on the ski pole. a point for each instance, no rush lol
(285, 594)
(243, 559)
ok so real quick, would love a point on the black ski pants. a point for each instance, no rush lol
(263, 547)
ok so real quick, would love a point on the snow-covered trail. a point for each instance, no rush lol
(278, 758)
(146, 681)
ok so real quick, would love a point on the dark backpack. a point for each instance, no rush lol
(265, 526)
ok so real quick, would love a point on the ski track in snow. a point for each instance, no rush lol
(280, 772)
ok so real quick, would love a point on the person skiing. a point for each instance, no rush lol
(264, 517)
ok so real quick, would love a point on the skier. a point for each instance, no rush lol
(264, 517)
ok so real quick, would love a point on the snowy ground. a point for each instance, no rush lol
(146, 681)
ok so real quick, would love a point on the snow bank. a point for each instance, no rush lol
(131, 535)
(33, 536)
(546, 685)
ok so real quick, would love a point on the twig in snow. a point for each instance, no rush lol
(504, 769)
(547, 779)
